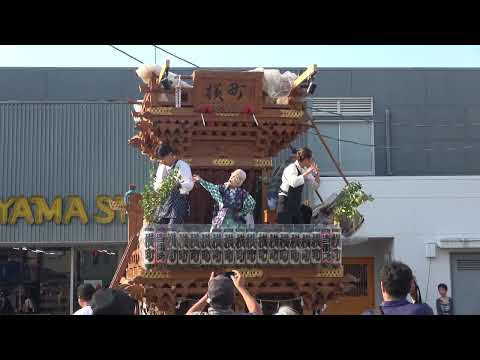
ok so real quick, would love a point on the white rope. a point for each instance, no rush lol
(203, 120)
(255, 119)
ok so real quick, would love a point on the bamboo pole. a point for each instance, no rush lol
(329, 151)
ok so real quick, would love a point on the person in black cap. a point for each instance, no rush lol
(112, 302)
(221, 297)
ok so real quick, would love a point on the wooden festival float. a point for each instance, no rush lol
(219, 121)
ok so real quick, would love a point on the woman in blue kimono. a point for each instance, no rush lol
(235, 204)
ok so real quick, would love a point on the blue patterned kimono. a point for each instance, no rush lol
(234, 204)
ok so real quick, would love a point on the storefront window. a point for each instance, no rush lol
(55, 282)
(38, 280)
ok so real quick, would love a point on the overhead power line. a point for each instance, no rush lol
(178, 57)
(125, 53)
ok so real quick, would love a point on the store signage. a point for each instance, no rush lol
(35, 210)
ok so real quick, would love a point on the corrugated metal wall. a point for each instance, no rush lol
(62, 149)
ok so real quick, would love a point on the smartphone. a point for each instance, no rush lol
(228, 274)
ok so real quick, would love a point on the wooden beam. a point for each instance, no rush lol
(329, 152)
(122, 267)
(311, 70)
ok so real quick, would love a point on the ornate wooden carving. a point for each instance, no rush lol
(159, 290)
(226, 113)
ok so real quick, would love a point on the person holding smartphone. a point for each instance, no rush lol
(294, 177)
(221, 296)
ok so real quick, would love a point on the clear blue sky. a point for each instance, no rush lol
(244, 56)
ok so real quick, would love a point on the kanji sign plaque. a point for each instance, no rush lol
(228, 92)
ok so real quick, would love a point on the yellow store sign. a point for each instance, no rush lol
(36, 210)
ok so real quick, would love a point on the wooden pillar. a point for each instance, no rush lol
(135, 215)
(135, 223)
(264, 176)
(270, 215)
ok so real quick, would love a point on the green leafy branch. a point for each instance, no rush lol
(151, 198)
(349, 199)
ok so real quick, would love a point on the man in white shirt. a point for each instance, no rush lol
(294, 177)
(176, 208)
(85, 293)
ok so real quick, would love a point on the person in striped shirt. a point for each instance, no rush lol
(235, 204)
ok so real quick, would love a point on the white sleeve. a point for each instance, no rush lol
(293, 179)
(186, 181)
(159, 176)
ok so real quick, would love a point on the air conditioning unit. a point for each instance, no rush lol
(430, 250)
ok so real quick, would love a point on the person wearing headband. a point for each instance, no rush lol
(235, 204)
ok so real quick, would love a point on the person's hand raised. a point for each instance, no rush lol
(238, 279)
(310, 170)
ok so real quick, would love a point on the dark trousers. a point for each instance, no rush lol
(174, 211)
(302, 215)
(286, 214)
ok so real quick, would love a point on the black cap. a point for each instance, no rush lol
(112, 302)
(221, 292)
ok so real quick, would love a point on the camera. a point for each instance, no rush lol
(228, 274)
